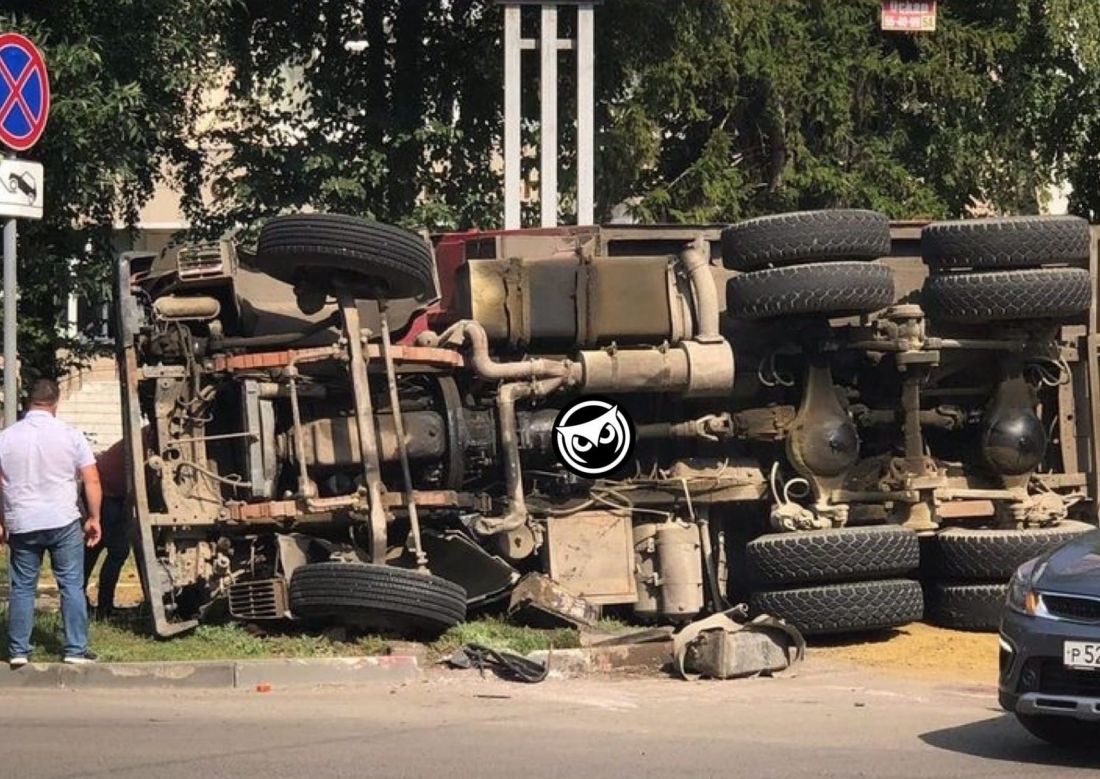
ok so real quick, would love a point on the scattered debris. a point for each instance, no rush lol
(506, 665)
(539, 601)
(718, 647)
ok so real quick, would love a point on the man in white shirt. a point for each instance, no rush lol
(41, 459)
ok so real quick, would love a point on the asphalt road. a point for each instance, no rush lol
(827, 721)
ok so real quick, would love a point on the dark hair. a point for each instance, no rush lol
(44, 392)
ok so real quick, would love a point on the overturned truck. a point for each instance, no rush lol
(352, 423)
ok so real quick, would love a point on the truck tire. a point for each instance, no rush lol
(965, 606)
(844, 608)
(842, 554)
(837, 289)
(805, 236)
(1007, 242)
(376, 597)
(1044, 293)
(970, 553)
(301, 247)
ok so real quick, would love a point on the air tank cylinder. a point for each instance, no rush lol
(669, 569)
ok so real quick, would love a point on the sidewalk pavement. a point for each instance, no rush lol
(217, 674)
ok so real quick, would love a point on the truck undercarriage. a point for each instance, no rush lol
(349, 423)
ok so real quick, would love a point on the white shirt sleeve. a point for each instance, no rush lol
(82, 452)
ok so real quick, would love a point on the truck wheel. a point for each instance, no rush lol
(376, 597)
(1045, 293)
(805, 236)
(1009, 242)
(844, 608)
(843, 554)
(836, 289)
(299, 247)
(969, 553)
(1062, 731)
(966, 606)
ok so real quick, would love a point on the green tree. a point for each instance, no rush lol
(720, 110)
(709, 110)
(126, 77)
(400, 130)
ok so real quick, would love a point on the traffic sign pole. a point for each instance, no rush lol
(11, 356)
(24, 110)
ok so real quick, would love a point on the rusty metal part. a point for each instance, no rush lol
(484, 365)
(540, 601)
(822, 444)
(258, 599)
(201, 308)
(764, 424)
(306, 487)
(453, 412)
(911, 423)
(281, 510)
(507, 395)
(695, 260)
(943, 417)
(592, 554)
(413, 355)
(334, 441)
(129, 322)
(578, 299)
(399, 431)
(669, 566)
(364, 414)
(691, 368)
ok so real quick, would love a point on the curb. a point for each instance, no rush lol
(571, 663)
(216, 674)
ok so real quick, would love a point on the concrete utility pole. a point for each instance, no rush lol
(548, 45)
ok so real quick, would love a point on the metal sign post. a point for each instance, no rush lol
(24, 109)
(548, 44)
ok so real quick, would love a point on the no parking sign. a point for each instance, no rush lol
(24, 92)
(24, 108)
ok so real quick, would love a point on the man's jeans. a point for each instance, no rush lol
(116, 540)
(66, 548)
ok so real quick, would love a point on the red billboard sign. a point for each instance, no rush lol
(909, 15)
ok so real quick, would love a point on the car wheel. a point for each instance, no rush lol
(313, 247)
(805, 236)
(1044, 293)
(994, 554)
(1062, 731)
(837, 289)
(841, 554)
(376, 597)
(1009, 242)
(844, 608)
(966, 606)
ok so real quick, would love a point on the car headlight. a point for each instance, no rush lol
(1021, 596)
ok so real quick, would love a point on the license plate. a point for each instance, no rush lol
(1081, 654)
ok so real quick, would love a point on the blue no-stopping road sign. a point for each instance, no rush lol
(24, 92)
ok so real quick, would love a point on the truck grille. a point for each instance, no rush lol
(1074, 608)
(199, 262)
(261, 599)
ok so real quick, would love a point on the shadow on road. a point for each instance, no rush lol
(1002, 738)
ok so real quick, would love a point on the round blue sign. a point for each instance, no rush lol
(24, 92)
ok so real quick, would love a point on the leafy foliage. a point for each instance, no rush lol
(720, 110)
(125, 80)
(708, 110)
